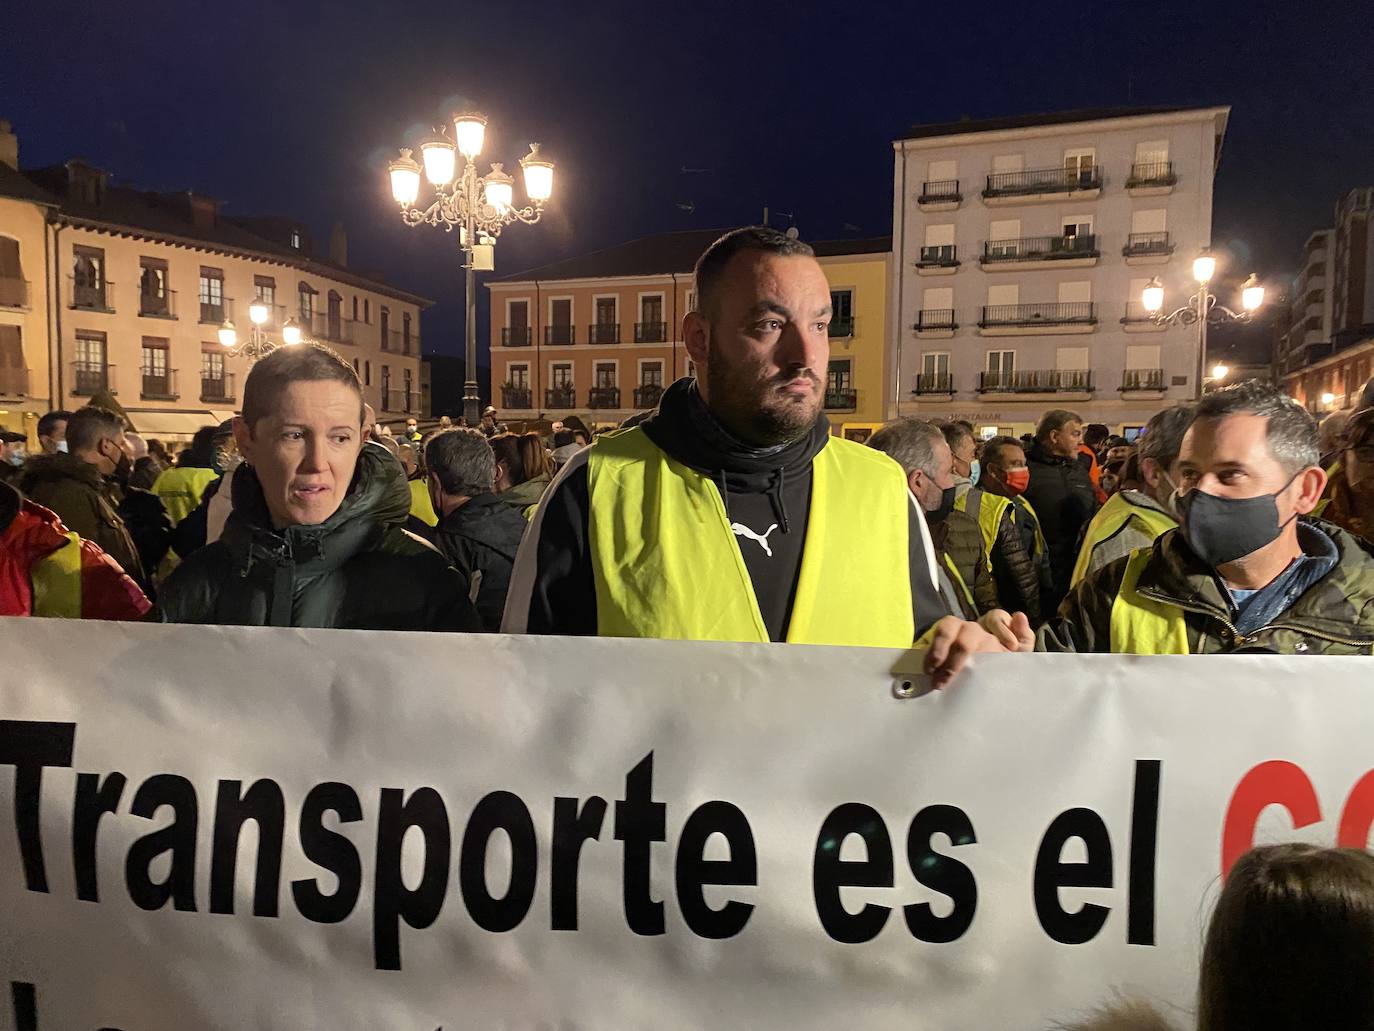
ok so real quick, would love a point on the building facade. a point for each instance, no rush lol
(1021, 249)
(106, 289)
(601, 334)
(1327, 355)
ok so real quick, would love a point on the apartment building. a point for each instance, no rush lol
(601, 334)
(1021, 248)
(105, 288)
(1327, 354)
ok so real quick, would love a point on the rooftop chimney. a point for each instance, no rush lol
(204, 210)
(9, 145)
(338, 245)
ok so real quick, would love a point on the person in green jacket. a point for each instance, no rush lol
(316, 535)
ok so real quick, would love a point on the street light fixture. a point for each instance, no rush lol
(480, 206)
(1220, 371)
(259, 344)
(1202, 308)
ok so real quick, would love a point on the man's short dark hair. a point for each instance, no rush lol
(1291, 432)
(1054, 419)
(1162, 437)
(90, 425)
(992, 450)
(48, 423)
(955, 432)
(910, 442)
(270, 377)
(1095, 433)
(463, 461)
(710, 267)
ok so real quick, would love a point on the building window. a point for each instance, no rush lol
(841, 313)
(840, 374)
(385, 328)
(1079, 164)
(367, 374)
(14, 377)
(212, 306)
(518, 376)
(605, 375)
(691, 300)
(357, 370)
(561, 376)
(88, 278)
(92, 374)
(1002, 363)
(405, 333)
(153, 366)
(307, 303)
(935, 365)
(355, 307)
(407, 378)
(265, 290)
(651, 374)
(386, 387)
(211, 367)
(153, 295)
(296, 239)
(367, 310)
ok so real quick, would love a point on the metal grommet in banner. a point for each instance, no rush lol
(903, 689)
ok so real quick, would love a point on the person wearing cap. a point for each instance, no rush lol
(13, 452)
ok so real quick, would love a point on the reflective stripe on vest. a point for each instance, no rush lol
(1109, 521)
(57, 581)
(667, 564)
(1143, 626)
(958, 580)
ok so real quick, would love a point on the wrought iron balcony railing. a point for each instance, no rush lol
(936, 318)
(603, 397)
(1038, 381)
(1040, 248)
(560, 397)
(934, 191)
(1043, 180)
(934, 383)
(1059, 314)
(557, 334)
(1142, 379)
(1151, 173)
(1140, 244)
(651, 332)
(841, 400)
(603, 333)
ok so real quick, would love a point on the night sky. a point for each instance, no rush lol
(294, 108)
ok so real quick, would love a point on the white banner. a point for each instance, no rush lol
(495, 832)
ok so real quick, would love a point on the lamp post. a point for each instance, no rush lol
(1202, 308)
(480, 206)
(259, 344)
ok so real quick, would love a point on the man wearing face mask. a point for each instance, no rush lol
(963, 448)
(1011, 532)
(83, 485)
(52, 432)
(13, 451)
(1137, 518)
(1245, 570)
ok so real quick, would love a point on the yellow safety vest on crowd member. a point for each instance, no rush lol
(666, 563)
(957, 579)
(1110, 520)
(1332, 471)
(56, 580)
(420, 505)
(1143, 626)
(181, 489)
(988, 509)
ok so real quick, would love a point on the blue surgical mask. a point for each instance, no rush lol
(62, 446)
(16, 457)
(975, 470)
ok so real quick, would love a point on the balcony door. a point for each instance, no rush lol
(336, 317)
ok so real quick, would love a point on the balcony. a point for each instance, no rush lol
(407, 401)
(603, 333)
(1043, 184)
(1147, 249)
(939, 195)
(517, 399)
(560, 397)
(1042, 251)
(1151, 177)
(841, 400)
(212, 313)
(603, 397)
(390, 340)
(939, 260)
(935, 322)
(218, 389)
(1142, 380)
(1040, 381)
(14, 292)
(648, 395)
(159, 386)
(91, 378)
(841, 329)
(560, 335)
(651, 332)
(1036, 319)
(14, 383)
(934, 383)
(335, 329)
(90, 296)
(158, 306)
(1138, 320)
(515, 336)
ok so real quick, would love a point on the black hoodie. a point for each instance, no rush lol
(767, 496)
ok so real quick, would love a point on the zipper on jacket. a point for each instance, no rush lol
(1243, 639)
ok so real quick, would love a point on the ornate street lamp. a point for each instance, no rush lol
(259, 344)
(480, 206)
(1202, 308)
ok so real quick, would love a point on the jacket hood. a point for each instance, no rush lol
(378, 498)
(59, 466)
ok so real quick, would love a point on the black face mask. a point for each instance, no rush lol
(946, 506)
(1222, 530)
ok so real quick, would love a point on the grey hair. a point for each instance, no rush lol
(463, 461)
(1291, 432)
(1054, 419)
(1163, 438)
(911, 442)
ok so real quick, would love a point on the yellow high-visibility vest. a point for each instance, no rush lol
(181, 489)
(1108, 522)
(988, 509)
(1143, 626)
(56, 581)
(666, 562)
(958, 580)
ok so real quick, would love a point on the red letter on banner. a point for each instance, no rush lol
(1358, 814)
(1276, 782)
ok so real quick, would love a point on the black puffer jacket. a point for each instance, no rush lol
(357, 570)
(1061, 492)
(481, 539)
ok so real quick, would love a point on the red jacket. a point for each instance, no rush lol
(30, 533)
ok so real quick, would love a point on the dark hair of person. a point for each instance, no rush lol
(1054, 419)
(1162, 437)
(145, 472)
(48, 423)
(1095, 433)
(955, 433)
(1291, 432)
(201, 453)
(1291, 942)
(992, 450)
(709, 273)
(303, 363)
(534, 456)
(505, 447)
(90, 425)
(463, 461)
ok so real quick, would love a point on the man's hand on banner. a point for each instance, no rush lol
(1013, 631)
(953, 642)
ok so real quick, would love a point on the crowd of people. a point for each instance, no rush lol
(729, 513)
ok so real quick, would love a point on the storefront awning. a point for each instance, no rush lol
(174, 425)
